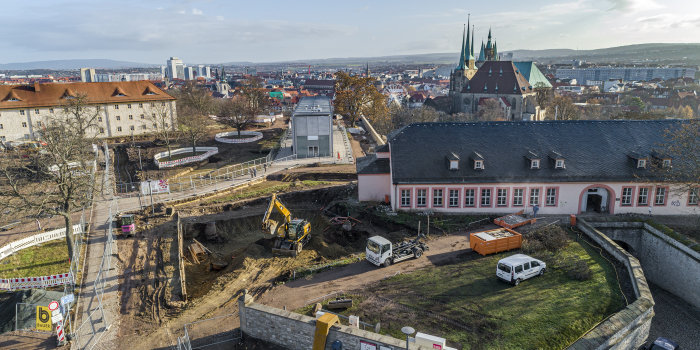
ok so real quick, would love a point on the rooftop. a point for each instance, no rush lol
(313, 105)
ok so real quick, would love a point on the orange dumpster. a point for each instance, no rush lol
(495, 241)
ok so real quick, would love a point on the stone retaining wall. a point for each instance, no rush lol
(666, 262)
(294, 331)
(628, 328)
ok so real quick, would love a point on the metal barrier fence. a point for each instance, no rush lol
(213, 333)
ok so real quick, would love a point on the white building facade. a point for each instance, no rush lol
(507, 174)
(122, 108)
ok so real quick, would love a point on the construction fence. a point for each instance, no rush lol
(213, 333)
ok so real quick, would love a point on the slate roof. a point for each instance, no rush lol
(593, 150)
(498, 77)
(372, 165)
(54, 94)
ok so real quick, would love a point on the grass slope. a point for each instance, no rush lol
(40, 260)
(546, 312)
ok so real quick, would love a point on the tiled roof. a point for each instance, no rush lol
(54, 94)
(533, 74)
(594, 150)
(498, 77)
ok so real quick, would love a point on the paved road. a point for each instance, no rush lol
(675, 319)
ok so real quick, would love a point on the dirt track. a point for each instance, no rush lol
(443, 250)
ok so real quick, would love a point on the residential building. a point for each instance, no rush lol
(563, 167)
(312, 127)
(626, 73)
(122, 107)
(87, 75)
(320, 86)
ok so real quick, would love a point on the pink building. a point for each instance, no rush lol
(563, 167)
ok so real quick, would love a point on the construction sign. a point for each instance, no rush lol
(43, 319)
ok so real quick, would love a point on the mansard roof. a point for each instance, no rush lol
(498, 77)
(594, 150)
(55, 94)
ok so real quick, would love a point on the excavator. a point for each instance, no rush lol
(290, 234)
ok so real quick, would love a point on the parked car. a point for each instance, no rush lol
(519, 267)
(662, 343)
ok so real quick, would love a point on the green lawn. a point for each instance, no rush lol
(546, 312)
(40, 260)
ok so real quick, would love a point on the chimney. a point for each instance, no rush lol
(37, 87)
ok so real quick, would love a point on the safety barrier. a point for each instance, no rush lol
(21, 283)
(208, 152)
(39, 238)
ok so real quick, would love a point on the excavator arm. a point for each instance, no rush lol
(275, 204)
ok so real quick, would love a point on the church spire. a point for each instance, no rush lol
(468, 53)
(495, 52)
(461, 53)
(472, 48)
(488, 42)
(482, 56)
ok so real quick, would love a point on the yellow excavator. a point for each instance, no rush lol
(290, 234)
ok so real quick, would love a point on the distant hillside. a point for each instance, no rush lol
(73, 64)
(643, 53)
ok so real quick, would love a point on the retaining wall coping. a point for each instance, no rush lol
(624, 322)
(678, 245)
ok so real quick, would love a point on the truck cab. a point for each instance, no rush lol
(378, 251)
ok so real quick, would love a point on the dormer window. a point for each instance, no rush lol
(479, 164)
(453, 161)
(559, 164)
(535, 164)
(454, 164)
(534, 159)
(641, 163)
(666, 163)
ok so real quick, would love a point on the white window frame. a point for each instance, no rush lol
(645, 196)
(438, 194)
(660, 196)
(626, 198)
(534, 191)
(485, 201)
(641, 163)
(694, 196)
(534, 164)
(405, 198)
(478, 164)
(453, 198)
(666, 163)
(518, 193)
(550, 198)
(454, 164)
(421, 197)
(470, 195)
(559, 164)
(501, 197)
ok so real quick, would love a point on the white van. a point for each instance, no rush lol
(519, 267)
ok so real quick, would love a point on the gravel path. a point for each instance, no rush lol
(675, 319)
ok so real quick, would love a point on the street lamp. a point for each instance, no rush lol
(407, 331)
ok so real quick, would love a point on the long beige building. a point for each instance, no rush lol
(123, 107)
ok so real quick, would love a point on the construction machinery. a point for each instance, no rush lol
(381, 252)
(290, 234)
(127, 223)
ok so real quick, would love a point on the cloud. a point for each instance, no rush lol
(219, 18)
(635, 5)
(197, 12)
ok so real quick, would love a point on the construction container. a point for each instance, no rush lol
(514, 220)
(495, 241)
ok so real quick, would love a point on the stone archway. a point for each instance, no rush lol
(597, 199)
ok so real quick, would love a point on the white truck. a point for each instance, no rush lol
(381, 252)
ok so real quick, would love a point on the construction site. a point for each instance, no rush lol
(296, 240)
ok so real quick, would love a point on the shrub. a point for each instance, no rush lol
(577, 269)
(531, 246)
(551, 238)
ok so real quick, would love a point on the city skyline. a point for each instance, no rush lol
(209, 31)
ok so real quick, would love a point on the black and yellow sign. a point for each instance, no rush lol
(43, 319)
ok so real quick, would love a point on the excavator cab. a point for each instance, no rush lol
(291, 234)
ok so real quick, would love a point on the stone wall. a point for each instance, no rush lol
(666, 262)
(628, 328)
(290, 330)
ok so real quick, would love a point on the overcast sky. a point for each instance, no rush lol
(215, 31)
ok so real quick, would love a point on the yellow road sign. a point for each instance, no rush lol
(43, 319)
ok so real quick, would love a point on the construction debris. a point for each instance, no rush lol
(513, 220)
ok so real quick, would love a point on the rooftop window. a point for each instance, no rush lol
(666, 163)
(559, 164)
(641, 163)
(534, 164)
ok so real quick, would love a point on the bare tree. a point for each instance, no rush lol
(682, 147)
(193, 108)
(56, 180)
(490, 110)
(164, 124)
(235, 113)
(563, 108)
